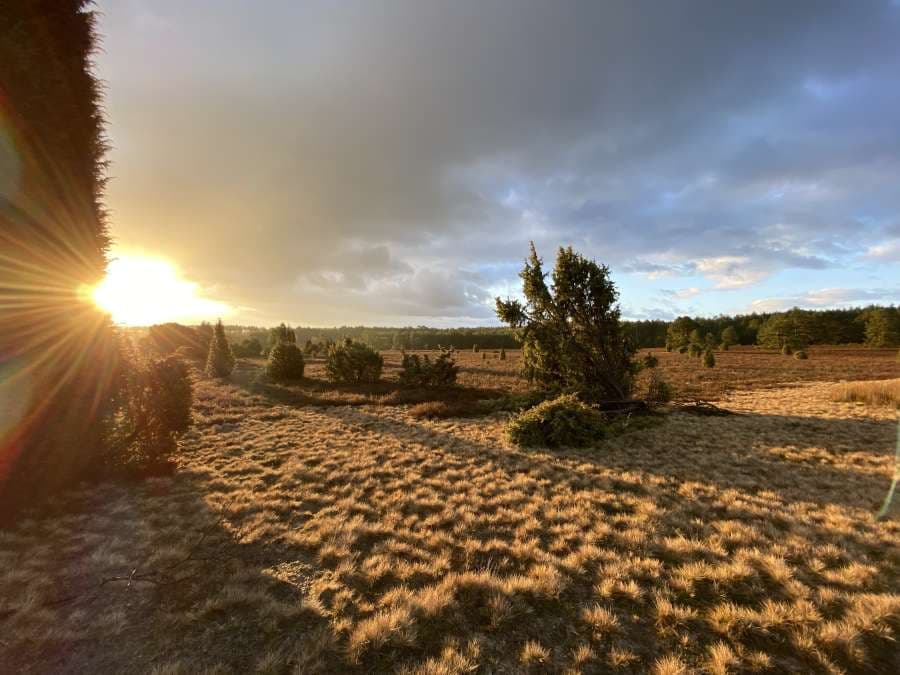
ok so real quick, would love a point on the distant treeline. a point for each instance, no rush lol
(874, 326)
(877, 326)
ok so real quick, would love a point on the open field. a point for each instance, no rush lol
(483, 374)
(302, 534)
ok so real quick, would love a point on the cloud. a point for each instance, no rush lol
(682, 293)
(354, 146)
(827, 298)
(888, 250)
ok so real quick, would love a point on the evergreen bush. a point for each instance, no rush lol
(659, 391)
(421, 371)
(220, 360)
(352, 362)
(562, 422)
(285, 362)
(571, 333)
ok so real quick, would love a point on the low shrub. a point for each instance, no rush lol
(695, 350)
(786, 349)
(683, 349)
(446, 409)
(285, 362)
(421, 371)
(659, 391)
(709, 359)
(517, 402)
(353, 363)
(562, 422)
(649, 361)
(801, 355)
(502, 354)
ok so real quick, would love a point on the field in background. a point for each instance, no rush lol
(740, 368)
(305, 535)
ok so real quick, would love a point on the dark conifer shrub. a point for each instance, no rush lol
(285, 362)
(659, 391)
(155, 398)
(220, 360)
(421, 371)
(571, 333)
(563, 421)
(709, 359)
(352, 362)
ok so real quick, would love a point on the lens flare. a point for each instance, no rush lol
(142, 290)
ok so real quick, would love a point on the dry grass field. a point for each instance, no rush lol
(318, 529)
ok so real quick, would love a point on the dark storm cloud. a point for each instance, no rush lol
(404, 153)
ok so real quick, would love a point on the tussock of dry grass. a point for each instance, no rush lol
(363, 539)
(874, 392)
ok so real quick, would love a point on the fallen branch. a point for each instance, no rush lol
(704, 408)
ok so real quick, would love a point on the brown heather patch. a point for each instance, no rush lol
(359, 538)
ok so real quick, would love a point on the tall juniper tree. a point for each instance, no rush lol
(571, 333)
(220, 360)
(53, 242)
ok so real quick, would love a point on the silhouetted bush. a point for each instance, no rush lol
(649, 361)
(282, 333)
(285, 362)
(563, 421)
(156, 396)
(709, 359)
(502, 354)
(801, 355)
(220, 361)
(249, 348)
(353, 363)
(695, 350)
(786, 349)
(311, 348)
(421, 371)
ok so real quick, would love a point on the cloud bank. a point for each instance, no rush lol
(357, 162)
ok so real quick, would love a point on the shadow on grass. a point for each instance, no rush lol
(691, 455)
(322, 393)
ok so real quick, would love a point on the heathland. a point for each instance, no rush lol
(312, 527)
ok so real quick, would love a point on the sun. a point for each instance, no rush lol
(141, 290)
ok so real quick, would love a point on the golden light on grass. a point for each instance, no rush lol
(141, 290)
(875, 392)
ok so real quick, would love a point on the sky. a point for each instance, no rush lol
(387, 163)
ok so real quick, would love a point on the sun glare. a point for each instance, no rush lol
(141, 291)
